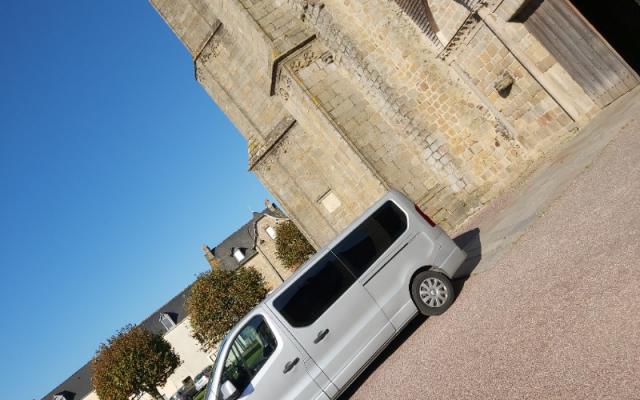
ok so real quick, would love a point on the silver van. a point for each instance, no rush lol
(311, 337)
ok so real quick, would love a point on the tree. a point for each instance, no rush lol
(292, 248)
(219, 299)
(131, 362)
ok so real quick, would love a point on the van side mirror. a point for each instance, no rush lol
(229, 391)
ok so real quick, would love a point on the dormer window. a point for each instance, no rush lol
(238, 254)
(167, 321)
(59, 397)
(271, 232)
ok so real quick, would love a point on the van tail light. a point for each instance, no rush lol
(425, 216)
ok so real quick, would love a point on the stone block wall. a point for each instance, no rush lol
(389, 155)
(341, 100)
(449, 16)
(283, 29)
(384, 55)
(192, 22)
(540, 63)
(261, 264)
(231, 75)
(534, 114)
(267, 245)
(307, 167)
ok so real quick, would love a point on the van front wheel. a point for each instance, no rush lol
(432, 292)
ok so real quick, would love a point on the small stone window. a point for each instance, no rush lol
(330, 201)
(271, 232)
(238, 254)
(167, 321)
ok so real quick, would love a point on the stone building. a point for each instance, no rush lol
(448, 101)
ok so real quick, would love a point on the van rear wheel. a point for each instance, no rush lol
(432, 292)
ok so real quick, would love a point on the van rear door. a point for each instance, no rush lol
(334, 318)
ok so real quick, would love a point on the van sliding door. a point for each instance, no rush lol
(334, 318)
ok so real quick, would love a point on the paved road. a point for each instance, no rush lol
(556, 316)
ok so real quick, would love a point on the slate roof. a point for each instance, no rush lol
(244, 239)
(274, 211)
(78, 385)
(176, 308)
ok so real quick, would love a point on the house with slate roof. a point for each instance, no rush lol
(171, 321)
(251, 246)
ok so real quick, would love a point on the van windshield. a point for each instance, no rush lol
(251, 348)
(249, 351)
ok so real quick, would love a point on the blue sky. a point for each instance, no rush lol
(115, 167)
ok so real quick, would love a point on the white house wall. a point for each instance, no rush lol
(194, 359)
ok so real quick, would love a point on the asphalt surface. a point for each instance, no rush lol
(557, 316)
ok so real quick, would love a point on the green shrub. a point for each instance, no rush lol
(219, 299)
(292, 248)
(131, 362)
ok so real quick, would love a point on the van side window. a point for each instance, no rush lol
(249, 351)
(372, 238)
(302, 303)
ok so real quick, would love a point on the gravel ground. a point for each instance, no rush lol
(557, 317)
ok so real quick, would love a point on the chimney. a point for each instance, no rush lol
(269, 205)
(209, 254)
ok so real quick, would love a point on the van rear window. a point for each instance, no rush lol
(362, 247)
(302, 303)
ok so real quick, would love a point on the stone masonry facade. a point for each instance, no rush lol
(341, 100)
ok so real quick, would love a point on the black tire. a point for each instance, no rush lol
(432, 292)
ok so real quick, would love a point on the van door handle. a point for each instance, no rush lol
(289, 366)
(320, 336)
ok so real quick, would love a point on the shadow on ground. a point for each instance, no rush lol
(469, 242)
